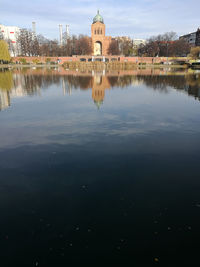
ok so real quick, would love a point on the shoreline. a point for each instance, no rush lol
(89, 66)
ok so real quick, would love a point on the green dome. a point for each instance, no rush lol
(98, 18)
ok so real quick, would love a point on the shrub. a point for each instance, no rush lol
(22, 60)
(36, 61)
(48, 60)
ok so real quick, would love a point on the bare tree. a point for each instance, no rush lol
(27, 43)
(83, 45)
(113, 48)
(164, 45)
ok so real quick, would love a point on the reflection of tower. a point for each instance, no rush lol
(69, 90)
(100, 83)
(4, 99)
(63, 86)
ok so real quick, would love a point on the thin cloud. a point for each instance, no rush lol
(138, 19)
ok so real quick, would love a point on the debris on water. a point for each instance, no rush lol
(189, 228)
(70, 244)
(155, 221)
(118, 248)
(89, 230)
(168, 228)
(122, 240)
(156, 259)
(84, 186)
(37, 263)
(198, 205)
(77, 228)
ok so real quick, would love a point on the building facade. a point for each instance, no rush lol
(10, 36)
(193, 38)
(100, 42)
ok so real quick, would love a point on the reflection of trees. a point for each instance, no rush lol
(30, 82)
(157, 82)
(193, 82)
(189, 83)
(83, 82)
(162, 82)
(6, 80)
(6, 83)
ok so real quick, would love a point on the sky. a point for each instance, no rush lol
(134, 18)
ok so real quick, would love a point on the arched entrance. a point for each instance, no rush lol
(97, 48)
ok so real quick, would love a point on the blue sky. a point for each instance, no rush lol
(136, 18)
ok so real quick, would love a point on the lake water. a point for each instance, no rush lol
(99, 169)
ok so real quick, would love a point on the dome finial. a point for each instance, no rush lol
(98, 18)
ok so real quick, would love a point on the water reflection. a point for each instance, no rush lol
(76, 181)
(27, 82)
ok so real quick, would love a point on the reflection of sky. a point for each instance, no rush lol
(110, 172)
(133, 119)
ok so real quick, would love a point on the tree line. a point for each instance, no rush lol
(32, 45)
(163, 45)
(29, 44)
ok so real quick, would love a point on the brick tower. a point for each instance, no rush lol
(100, 42)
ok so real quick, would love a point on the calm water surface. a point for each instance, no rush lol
(99, 169)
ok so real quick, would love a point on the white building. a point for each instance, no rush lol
(190, 38)
(138, 42)
(10, 35)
